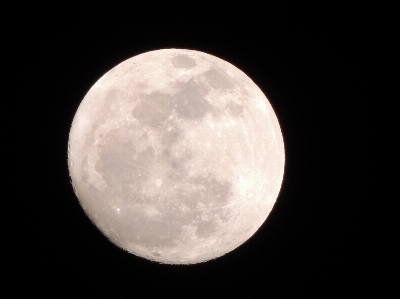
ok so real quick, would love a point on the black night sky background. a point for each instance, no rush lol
(321, 66)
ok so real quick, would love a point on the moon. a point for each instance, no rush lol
(176, 156)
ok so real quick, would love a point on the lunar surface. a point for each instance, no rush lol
(176, 156)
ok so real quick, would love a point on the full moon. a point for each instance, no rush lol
(176, 156)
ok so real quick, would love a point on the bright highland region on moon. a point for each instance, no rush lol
(176, 156)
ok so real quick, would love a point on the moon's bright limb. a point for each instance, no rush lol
(176, 156)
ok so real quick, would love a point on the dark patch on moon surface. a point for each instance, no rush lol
(189, 103)
(170, 137)
(218, 78)
(206, 228)
(234, 109)
(134, 225)
(183, 62)
(153, 109)
(214, 192)
(120, 164)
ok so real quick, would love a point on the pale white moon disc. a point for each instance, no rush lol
(176, 156)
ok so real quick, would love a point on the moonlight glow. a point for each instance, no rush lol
(176, 156)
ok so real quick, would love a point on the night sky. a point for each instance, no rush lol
(319, 64)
